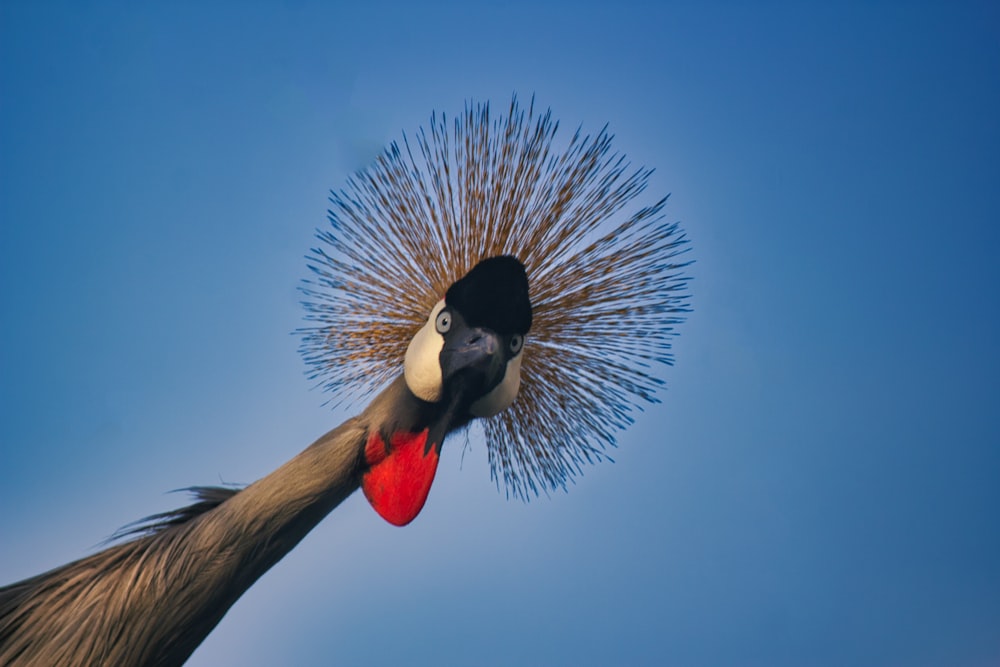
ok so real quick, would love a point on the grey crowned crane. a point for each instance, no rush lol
(483, 277)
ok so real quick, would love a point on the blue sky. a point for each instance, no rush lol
(820, 485)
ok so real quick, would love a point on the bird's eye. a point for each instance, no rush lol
(516, 343)
(443, 322)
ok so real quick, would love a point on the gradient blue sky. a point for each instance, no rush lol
(822, 483)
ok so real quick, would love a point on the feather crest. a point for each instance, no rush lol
(607, 287)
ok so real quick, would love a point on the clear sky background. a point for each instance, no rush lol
(821, 485)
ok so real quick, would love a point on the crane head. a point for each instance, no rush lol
(469, 350)
(463, 363)
(608, 289)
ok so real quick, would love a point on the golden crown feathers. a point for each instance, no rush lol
(607, 285)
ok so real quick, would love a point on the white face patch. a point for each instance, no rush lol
(421, 366)
(501, 396)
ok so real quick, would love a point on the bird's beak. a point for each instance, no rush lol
(476, 354)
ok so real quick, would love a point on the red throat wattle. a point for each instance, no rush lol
(400, 476)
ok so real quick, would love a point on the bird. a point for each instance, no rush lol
(478, 276)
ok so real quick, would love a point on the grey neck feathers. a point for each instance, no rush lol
(152, 600)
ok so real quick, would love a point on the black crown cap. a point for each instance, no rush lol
(494, 294)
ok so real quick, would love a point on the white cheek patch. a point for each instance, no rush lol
(502, 395)
(421, 366)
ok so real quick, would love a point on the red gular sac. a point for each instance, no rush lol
(400, 474)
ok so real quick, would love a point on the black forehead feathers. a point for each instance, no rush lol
(494, 294)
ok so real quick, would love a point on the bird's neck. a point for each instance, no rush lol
(231, 546)
(281, 508)
(161, 594)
